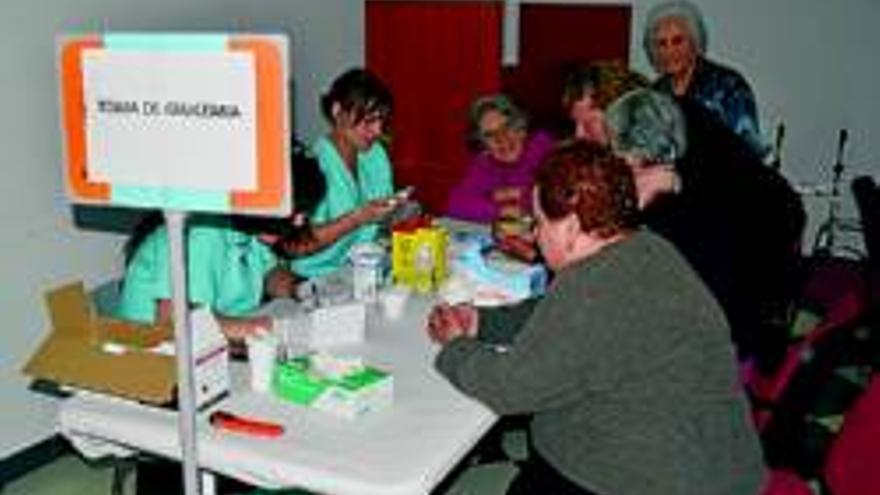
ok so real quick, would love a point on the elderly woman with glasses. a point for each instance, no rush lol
(675, 40)
(497, 182)
(625, 364)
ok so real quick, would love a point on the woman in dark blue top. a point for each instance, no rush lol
(675, 41)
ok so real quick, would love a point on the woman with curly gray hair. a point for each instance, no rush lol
(675, 40)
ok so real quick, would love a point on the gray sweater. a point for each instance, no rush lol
(628, 368)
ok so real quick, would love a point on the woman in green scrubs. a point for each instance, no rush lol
(357, 170)
(232, 262)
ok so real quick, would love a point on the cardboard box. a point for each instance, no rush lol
(125, 359)
(348, 396)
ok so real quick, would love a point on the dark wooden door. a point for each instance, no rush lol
(438, 56)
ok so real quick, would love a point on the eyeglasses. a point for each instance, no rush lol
(495, 134)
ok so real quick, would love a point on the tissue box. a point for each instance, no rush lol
(349, 395)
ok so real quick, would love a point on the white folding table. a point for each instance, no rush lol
(406, 449)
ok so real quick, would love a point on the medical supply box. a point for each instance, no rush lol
(343, 387)
(418, 253)
(87, 351)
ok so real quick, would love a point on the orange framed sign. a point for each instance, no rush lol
(190, 122)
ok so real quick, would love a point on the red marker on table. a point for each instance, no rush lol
(247, 426)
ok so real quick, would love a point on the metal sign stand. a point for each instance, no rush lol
(175, 222)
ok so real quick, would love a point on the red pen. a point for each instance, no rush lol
(247, 426)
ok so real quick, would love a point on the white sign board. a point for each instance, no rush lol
(192, 122)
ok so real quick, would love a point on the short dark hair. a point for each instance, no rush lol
(359, 92)
(309, 187)
(588, 180)
(309, 183)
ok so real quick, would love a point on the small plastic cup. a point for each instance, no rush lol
(394, 302)
(296, 336)
(262, 354)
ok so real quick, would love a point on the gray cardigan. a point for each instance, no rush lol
(628, 368)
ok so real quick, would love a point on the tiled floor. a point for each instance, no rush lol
(70, 475)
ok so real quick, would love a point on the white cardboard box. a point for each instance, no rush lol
(320, 328)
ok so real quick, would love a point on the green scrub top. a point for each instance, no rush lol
(225, 267)
(374, 181)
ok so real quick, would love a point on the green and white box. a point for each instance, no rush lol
(349, 391)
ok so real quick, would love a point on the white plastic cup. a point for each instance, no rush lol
(262, 356)
(394, 302)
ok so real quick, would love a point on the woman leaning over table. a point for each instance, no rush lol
(356, 168)
(737, 221)
(587, 92)
(625, 363)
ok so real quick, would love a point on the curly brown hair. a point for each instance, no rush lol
(604, 81)
(590, 181)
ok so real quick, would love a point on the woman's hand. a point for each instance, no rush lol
(507, 194)
(236, 329)
(378, 209)
(280, 282)
(654, 181)
(447, 322)
(521, 247)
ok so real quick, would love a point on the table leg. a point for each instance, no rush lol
(209, 483)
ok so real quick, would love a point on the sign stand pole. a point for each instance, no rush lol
(175, 222)
(112, 147)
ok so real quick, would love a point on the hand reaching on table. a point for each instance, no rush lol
(507, 195)
(236, 329)
(448, 322)
(281, 282)
(655, 181)
(520, 247)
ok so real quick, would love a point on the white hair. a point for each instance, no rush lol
(681, 9)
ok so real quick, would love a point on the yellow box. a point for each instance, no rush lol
(418, 256)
